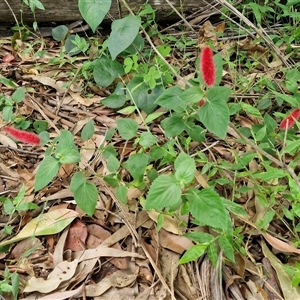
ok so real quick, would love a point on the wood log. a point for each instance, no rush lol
(67, 10)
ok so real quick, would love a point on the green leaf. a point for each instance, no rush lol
(251, 110)
(164, 192)
(289, 99)
(170, 99)
(77, 180)
(192, 95)
(196, 132)
(215, 113)
(185, 168)
(19, 95)
(271, 173)
(88, 130)
(127, 128)
(136, 165)
(207, 207)
(193, 253)
(121, 193)
(15, 280)
(213, 253)
(200, 237)
(68, 156)
(86, 196)
(140, 93)
(106, 71)
(173, 125)
(66, 140)
(46, 224)
(60, 32)
(94, 11)
(227, 248)
(113, 164)
(234, 207)
(70, 46)
(116, 99)
(47, 170)
(123, 33)
(147, 139)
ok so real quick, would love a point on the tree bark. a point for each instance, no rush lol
(67, 10)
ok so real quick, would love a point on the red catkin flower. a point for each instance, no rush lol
(201, 102)
(290, 120)
(207, 66)
(23, 136)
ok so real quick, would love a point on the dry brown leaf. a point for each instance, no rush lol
(47, 81)
(280, 245)
(169, 224)
(61, 273)
(84, 101)
(76, 236)
(7, 141)
(97, 235)
(117, 279)
(174, 242)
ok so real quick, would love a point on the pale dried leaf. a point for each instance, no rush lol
(289, 292)
(62, 272)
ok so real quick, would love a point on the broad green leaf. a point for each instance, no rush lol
(106, 71)
(271, 173)
(153, 116)
(291, 146)
(47, 223)
(207, 207)
(68, 156)
(77, 180)
(19, 95)
(164, 192)
(88, 130)
(15, 280)
(192, 95)
(200, 237)
(66, 140)
(227, 248)
(136, 165)
(121, 193)
(47, 170)
(185, 168)
(193, 253)
(113, 164)
(196, 132)
(215, 113)
(94, 11)
(127, 128)
(60, 32)
(213, 253)
(86, 196)
(140, 93)
(171, 99)
(251, 110)
(234, 207)
(70, 46)
(116, 99)
(123, 33)
(289, 99)
(173, 125)
(147, 139)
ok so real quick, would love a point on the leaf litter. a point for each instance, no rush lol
(119, 253)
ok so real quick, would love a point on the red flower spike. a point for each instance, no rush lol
(290, 120)
(201, 102)
(207, 66)
(23, 136)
